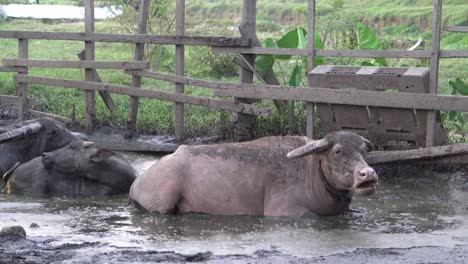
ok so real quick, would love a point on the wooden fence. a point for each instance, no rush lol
(244, 93)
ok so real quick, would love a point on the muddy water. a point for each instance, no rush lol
(412, 208)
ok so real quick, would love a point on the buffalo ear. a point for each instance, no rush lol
(101, 155)
(369, 145)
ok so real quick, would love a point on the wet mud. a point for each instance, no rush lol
(418, 215)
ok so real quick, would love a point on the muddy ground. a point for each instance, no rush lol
(39, 250)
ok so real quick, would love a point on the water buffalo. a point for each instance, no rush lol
(257, 177)
(80, 168)
(26, 140)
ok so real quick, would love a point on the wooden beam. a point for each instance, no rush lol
(243, 124)
(327, 53)
(347, 97)
(13, 100)
(434, 69)
(381, 157)
(453, 54)
(127, 38)
(143, 11)
(105, 96)
(56, 117)
(90, 96)
(456, 28)
(179, 69)
(22, 88)
(310, 65)
(449, 54)
(125, 90)
(90, 64)
(13, 69)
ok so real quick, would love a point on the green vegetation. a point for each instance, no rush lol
(341, 24)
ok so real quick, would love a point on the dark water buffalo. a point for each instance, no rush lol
(26, 140)
(80, 168)
(256, 178)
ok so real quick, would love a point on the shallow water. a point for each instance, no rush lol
(411, 208)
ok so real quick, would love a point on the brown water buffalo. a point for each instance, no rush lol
(80, 168)
(257, 178)
(26, 140)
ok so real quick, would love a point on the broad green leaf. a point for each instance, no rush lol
(367, 63)
(459, 86)
(381, 61)
(296, 76)
(293, 39)
(367, 39)
(263, 63)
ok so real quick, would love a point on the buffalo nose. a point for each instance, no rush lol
(367, 172)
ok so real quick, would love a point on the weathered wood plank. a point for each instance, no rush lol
(453, 54)
(434, 69)
(347, 97)
(327, 53)
(125, 65)
(13, 69)
(56, 117)
(243, 124)
(380, 157)
(108, 101)
(456, 28)
(125, 90)
(310, 65)
(22, 88)
(127, 38)
(13, 100)
(90, 96)
(179, 69)
(138, 56)
(344, 53)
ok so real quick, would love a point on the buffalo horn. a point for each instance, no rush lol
(20, 132)
(309, 148)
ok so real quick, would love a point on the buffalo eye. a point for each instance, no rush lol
(54, 131)
(72, 147)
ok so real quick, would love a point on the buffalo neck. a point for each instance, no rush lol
(324, 198)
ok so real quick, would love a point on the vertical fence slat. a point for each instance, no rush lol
(90, 97)
(310, 64)
(244, 123)
(139, 55)
(180, 61)
(434, 70)
(22, 90)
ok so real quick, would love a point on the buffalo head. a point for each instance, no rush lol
(341, 157)
(26, 140)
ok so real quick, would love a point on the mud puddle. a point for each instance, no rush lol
(415, 211)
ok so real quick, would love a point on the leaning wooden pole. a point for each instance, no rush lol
(180, 61)
(90, 97)
(139, 55)
(434, 70)
(310, 65)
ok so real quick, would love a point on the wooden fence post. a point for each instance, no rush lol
(244, 123)
(310, 65)
(434, 70)
(22, 90)
(180, 61)
(139, 55)
(90, 97)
